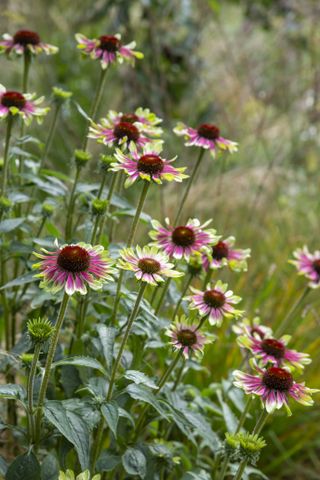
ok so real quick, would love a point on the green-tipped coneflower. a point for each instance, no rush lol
(40, 329)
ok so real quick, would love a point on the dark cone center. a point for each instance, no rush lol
(13, 99)
(150, 163)
(109, 43)
(316, 266)
(278, 379)
(183, 236)
(209, 131)
(149, 265)
(129, 118)
(126, 129)
(220, 251)
(214, 298)
(73, 258)
(273, 347)
(26, 37)
(187, 337)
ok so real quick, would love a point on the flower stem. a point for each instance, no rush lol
(187, 190)
(50, 357)
(162, 296)
(50, 136)
(283, 325)
(26, 69)
(6, 155)
(129, 243)
(109, 198)
(132, 317)
(95, 105)
(184, 291)
(68, 232)
(207, 278)
(30, 387)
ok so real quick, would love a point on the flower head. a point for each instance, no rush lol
(252, 328)
(25, 41)
(40, 329)
(269, 350)
(73, 267)
(186, 337)
(148, 165)
(147, 121)
(183, 240)
(16, 103)
(222, 253)
(215, 302)
(148, 264)
(206, 136)
(108, 49)
(308, 264)
(274, 385)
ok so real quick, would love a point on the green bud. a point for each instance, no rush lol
(60, 95)
(250, 447)
(5, 204)
(99, 206)
(47, 209)
(105, 162)
(195, 264)
(1, 164)
(26, 358)
(40, 329)
(81, 158)
(231, 445)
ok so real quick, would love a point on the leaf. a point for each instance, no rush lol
(11, 390)
(49, 468)
(110, 413)
(229, 417)
(139, 392)
(24, 467)
(72, 427)
(22, 280)
(52, 230)
(107, 462)
(107, 336)
(3, 466)
(10, 224)
(140, 378)
(81, 111)
(81, 362)
(134, 462)
(203, 429)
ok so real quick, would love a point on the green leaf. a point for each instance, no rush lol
(10, 224)
(107, 462)
(24, 467)
(11, 390)
(140, 378)
(52, 230)
(22, 280)
(81, 362)
(229, 417)
(107, 336)
(49, 468)
(72, 427)
(3, 466)
(139, 392)
(110, 413)
(134, 462)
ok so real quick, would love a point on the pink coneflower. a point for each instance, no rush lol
(72, 267)
(223, 254)
(149, 265)
(270, 350)
(147, 165)
(117, 131)
(16, 103)
(308, 264)
(108, 49)
(274, 385)
(25, 41)
(252, 328)
(206, 136)
(146, 120)
(184, 240)
(186, 338)
(215, 303)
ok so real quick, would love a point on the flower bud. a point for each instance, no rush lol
(195, 264)
(26, 358)
(81, 158)
(250, 446)
(105, 162)
(60, 95)
(5, 204)
(47, 210)
(99, 206)
(40, 329)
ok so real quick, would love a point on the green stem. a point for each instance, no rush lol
(30, 388)
(243, 416)
(129, 243)
(109, 198)
(68, 232)
(47, 370)
(283, 325)
(189, 184)
(95, 105)
(6, 155)
(26, 69)
(50, 136)
(184, 291)
(207, 278)
(162, 296)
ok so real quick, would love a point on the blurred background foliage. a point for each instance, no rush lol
(252, 67)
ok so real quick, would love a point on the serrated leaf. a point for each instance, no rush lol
(72, 427)
(11, 390)
(110, 413)
(10, 224)
(134, 462)
(140, 378)
(107, 337)
(139, 392)
(81, 362)
(24, 467)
